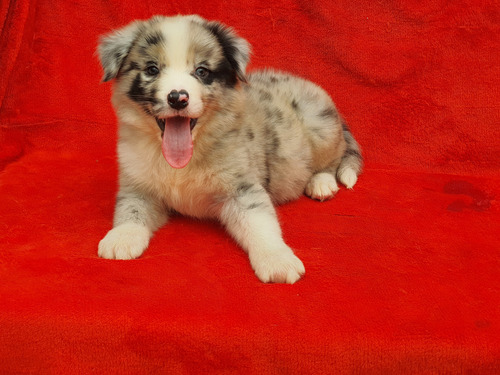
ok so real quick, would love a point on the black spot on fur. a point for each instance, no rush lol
(273, 141)
(136, 92)
(244, 187)
(295, 105)
(129, 207)
(141, 94)
(108, 77)
(271, 150)
(276, 142)
(352, 152)
(345, 127)
(154, 39)
(250, 135)
(134, 212)
(267, 178)
(274, 116)
(327, 113)
(265, 95)
(224, 73)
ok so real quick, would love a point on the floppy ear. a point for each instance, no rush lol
(114, 47)
(236, 49)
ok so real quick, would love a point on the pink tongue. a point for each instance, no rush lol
(177, 144)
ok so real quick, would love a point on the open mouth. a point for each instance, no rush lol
(177, 142)
(161, 123)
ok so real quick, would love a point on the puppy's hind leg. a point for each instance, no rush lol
(136, 218)
(322, 186)
(251, 219)
(351, 163)
(345, 169)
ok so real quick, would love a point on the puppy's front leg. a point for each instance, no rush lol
(251, 219)
(136, 218)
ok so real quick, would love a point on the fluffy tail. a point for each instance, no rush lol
(352, 162)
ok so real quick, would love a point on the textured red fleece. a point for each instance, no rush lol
(402, 272)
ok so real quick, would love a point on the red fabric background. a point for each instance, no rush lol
(402, 273)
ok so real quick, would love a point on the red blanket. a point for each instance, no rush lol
(403, 272)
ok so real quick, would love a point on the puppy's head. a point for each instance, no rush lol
(174, 69)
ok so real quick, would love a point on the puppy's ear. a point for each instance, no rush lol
(114, 47)
(236, 49)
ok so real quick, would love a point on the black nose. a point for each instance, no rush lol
(178, 99)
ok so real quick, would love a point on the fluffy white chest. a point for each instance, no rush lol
(189, 191)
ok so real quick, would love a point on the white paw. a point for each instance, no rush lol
(277, 266)
(322, 186)
(126, 241)
(348, 177)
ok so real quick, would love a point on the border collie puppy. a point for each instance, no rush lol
(199, 136)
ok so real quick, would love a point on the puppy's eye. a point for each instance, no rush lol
(202, 72)
(152, 71)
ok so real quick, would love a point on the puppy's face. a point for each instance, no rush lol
(175, 69)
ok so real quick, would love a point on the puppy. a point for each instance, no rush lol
(200, 137)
